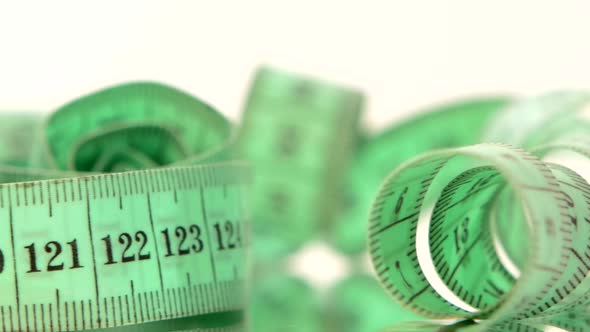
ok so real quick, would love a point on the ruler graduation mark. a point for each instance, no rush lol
(81, 250)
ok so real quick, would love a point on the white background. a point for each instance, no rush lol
(404, 54)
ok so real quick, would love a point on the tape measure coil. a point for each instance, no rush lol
(105, 251)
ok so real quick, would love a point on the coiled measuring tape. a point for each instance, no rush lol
(451, 125)
(107, 244)
(490, 235)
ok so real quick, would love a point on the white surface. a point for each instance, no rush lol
(404, 54)
(319, 264)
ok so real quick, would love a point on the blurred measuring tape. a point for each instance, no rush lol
(96, 241)
(299, 135)
(490, 235)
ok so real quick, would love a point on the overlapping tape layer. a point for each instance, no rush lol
(97, 241)
(490, 235)
(122, 211)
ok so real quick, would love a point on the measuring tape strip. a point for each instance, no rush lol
(217, 322)
(452, 125)
(299, 135)
(193, 127)
(539, 120)
(16, 129)
(99, 251)
(434, 250)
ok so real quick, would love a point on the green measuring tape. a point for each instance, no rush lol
(299, 135)
(16, 129)
(358, 304)
(280, 302)
(161, 247)
(451, 125)
(122, 212)
(489, 233)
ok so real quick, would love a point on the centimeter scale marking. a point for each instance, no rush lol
(115, 259)
(144, 307)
